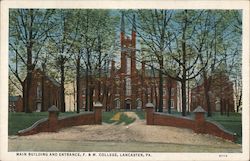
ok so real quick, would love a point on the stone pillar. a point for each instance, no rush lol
(149, 113)
(200, 121)
(98, 112)
(53, 119)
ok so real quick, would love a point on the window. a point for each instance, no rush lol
(172, 91)
(84, 91)
(164, 103)
(117, 90)
(149, 91)
(117, 103)
(164, 92)
(128, 65)
(39, 90)
(128, 86)
(172, 103)
(139, 103)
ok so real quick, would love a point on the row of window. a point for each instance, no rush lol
(129, 90)
(117, 103)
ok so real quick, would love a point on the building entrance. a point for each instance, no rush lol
(128, 104)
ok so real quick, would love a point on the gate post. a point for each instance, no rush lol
(53, 118)
(98, 112)
(150, 113)
(200, 120)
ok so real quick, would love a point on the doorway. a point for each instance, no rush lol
(128, 104)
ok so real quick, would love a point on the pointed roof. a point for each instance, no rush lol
(122, 23)
(134, 25)
(199, 109)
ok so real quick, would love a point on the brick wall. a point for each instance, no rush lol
(199, 124)
(53, 123)
(168, 120)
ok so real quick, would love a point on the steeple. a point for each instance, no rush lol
(133, 32)
(122, 23)
(134, 25)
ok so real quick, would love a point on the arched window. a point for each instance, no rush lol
(117, 103)
(39, 90)
(128, 65)
(138, 103)
(128, 86)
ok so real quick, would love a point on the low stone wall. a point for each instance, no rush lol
(53, 123)
(199, 124)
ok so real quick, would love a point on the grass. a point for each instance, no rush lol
(231, 123)
(140, 114)
(124, 118)
(107, 116)
(20, 120)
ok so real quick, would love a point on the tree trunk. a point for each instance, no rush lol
(169, 94)
(87, 91)
(91, 99)
(28, 80)
(161, 86)
(206, 90)
(221, 106)
(78, 94)
(24, 96)
(43, 89)
(239, 102)
(62, 86)
(183, 95)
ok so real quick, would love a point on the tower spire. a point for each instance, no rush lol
(133, 25)
(122, 23)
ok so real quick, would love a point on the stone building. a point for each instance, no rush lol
(128, 87)
(44, 92)
(221, 94)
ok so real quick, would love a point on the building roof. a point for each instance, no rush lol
(199, 109)
(52, 80)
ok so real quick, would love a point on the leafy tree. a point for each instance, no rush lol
(28, 31)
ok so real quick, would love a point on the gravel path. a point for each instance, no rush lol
(138, 131)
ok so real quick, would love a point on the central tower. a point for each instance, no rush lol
(128, 65)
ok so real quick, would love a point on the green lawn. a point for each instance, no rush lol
(106, 117)
(232, 123)
(20, 120)
(140, 114)
(124, 118)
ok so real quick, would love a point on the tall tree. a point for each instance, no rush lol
(29, 30)
(152, 29)
(61, 43)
